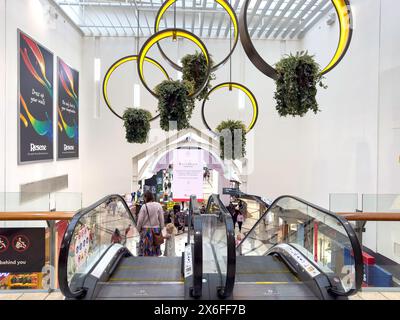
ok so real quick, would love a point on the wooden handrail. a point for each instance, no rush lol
(370, 216)
(34, 216)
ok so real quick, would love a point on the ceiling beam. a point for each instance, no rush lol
(285, 24)
(267, 20)
(66, 16)
(212, 19)
(311, 15)
(278, 21)
(315, 21)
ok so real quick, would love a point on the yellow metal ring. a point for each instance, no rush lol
(344, 14)
(241, 87)
(117, 64)
(229, 10)
(172, 33)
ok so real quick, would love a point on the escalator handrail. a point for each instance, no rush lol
(66, 242)
(227, 290)
(194, 217)
(355, 244)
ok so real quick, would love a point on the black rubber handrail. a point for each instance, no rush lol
(65, 245)
(355, 244)
(225, 217)
(194, 219)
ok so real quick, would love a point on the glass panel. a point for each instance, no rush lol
(96, 230)
(343, 202)
(318, 236)
(68, 201)
(381, 242)
(215, 241)
(17, 201)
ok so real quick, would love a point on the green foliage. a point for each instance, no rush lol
(195, 71)
(137, 125)
(232, 125)
(296, 86)
(174, 103)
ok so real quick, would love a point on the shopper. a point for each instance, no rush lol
(234, 217)
(149, 225)
(238, 239)
(240, 219)
(170, 240)
(116, 236)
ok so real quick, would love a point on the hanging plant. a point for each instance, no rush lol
(195, 71)
(232, 125)
(137, 125)
(296, 86)
(174, 103)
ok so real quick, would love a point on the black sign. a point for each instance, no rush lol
(22, 250)
(35, 96)
(67, 112)
(231, 191)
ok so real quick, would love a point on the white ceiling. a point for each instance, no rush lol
(268, 19)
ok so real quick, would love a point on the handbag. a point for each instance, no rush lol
(158, 238)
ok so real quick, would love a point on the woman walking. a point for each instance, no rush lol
(149, 225)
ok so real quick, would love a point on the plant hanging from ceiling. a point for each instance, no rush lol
(296, 85)
(137, 125)
(174, 103)
(236, 138)
(195, 70)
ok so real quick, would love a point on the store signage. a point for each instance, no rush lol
(22, 250)
(187, 174)
(35, 97)
(231, 191)
(67, 111)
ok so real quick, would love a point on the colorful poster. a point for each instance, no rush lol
(81, 247)
(67, 111)
(22, 250)
(35, 95)
(187, 174)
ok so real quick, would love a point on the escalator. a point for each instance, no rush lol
(99, 258)
(296, 250)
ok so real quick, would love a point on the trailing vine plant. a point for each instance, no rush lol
(174, 103)
(227, 134)
(195, 71)
(137, 125)
(296, 86)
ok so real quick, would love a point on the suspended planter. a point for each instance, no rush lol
(238, 130)
(175, 104)
(195, 71)
(137, 125)
(296, 85)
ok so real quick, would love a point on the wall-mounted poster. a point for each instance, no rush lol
(35, 95)
(67, 111)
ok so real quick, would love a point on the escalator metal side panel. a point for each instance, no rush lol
(103, 269)
(317, 281)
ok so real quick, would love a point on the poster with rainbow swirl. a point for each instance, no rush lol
(67, 111)
(35, 107)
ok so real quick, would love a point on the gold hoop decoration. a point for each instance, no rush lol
(117, 64)
(346, 31)
(241, 87)
(172, 33)
(229, 10)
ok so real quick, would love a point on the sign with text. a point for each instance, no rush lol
(35, 96)
(22, 250)
(187, 174)
(67, 111)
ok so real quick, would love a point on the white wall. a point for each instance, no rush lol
(2, 92)
(63, 41)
